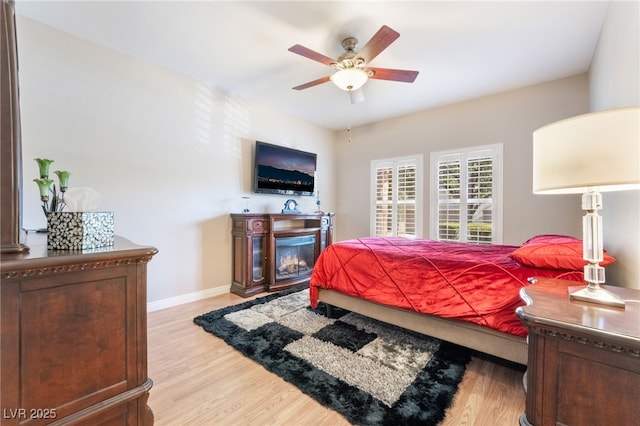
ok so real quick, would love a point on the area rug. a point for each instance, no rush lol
(370, 372)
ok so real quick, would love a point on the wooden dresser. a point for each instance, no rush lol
(584, 359)
(74, 335)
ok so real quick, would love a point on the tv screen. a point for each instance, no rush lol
(280, 170)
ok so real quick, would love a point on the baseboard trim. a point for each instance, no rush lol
(186, 298)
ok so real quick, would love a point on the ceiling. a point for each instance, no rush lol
(463, 50)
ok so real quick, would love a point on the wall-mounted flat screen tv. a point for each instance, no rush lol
(281, 170)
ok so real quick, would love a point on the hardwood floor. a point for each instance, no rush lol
(199, 381)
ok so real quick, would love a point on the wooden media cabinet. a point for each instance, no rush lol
(274, 252)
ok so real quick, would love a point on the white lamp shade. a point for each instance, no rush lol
(600, 150)
(349, 78)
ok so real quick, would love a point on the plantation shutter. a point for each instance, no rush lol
(466, 195)
(406, 223)
(449, 200)
(384, 202)
(480, 200)
(396, 198)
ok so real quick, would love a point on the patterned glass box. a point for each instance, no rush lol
(79, 230)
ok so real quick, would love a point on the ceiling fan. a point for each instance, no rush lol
(352, 70)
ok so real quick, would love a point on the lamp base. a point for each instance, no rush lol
(596, 294)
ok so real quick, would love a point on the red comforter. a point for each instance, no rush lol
(469, 282)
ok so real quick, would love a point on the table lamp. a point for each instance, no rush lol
(589, 154)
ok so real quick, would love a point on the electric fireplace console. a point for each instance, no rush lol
(274, 252)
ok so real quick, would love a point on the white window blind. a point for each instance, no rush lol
(395, 206)
(467, 196)
(448, 199)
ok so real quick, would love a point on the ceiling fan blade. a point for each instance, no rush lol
(356, 96)
(312, 83)
(390, 74)
(308, 53)
(380, 41)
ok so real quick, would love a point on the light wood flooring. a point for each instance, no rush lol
(199, 381)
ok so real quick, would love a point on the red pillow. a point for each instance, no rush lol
(554, 252)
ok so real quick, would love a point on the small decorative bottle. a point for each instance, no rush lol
(318, 203)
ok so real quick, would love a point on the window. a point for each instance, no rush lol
(466, 196)
(396, 208)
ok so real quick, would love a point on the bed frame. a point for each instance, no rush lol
(501, 345)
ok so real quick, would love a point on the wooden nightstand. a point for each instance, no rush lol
(584, 359)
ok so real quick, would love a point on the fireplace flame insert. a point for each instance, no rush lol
(294, 256)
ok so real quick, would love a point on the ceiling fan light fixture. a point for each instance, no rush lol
(349, 78)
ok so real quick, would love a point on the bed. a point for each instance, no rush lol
(463, 293)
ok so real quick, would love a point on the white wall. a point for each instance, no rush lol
(509, 118)
(170, 156)
(615, 83)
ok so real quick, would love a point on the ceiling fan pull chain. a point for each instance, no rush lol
(350, 114)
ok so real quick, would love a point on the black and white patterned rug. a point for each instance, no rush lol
(370, 372)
